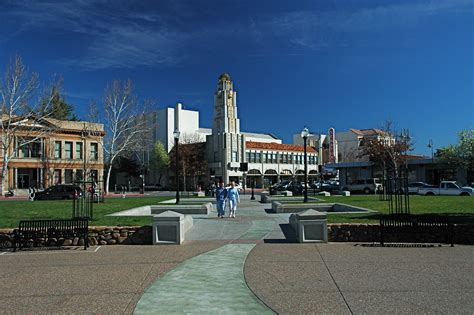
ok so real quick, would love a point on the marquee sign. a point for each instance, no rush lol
(332, 143)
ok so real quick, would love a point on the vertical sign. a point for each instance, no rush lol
(332, 135)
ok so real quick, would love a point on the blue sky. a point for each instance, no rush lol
(342, 64)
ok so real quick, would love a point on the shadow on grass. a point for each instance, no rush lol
(290, 235)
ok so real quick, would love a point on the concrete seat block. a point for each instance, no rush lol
(324, 193)
(287, 193)
(263, 196)
(170, 227)
(199, 194)
(310, 226)
(310, 214)
(346, 193)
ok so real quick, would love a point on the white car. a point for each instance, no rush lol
(447, 188)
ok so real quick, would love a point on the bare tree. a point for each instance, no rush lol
(20, 123)
(124, 123)
(388, 149)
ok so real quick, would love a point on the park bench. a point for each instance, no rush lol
(50, 232)
(432, 225)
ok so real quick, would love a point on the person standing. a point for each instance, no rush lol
(221, 195)
(234, 199)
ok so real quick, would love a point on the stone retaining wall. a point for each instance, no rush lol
(463, 234)
(97, 236)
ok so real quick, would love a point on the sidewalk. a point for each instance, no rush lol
(241, 265)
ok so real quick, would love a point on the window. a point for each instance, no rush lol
(94, 175)
(234, 156)
(68, 176)
(78, 150)
(254, 157)
(57, 177)
(94, 152)
(216, 156)
(68, 150)
(247, 156)
(274, 158)
(57, 149)
(265, 157)
(259, 157)
(79, 174)
(35, 149)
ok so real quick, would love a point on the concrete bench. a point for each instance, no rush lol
(199, 194)
(170, 227)
(205, 208)
(346, 193)
(263, 196)
(324, 193)
(311, 226)
(287, 193)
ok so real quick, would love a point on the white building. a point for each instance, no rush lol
(227, 146)
(350, 143)
(268, 159)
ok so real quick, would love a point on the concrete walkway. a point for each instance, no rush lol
(211, 283)
(240, 265)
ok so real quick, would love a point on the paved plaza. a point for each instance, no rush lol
(245, 266)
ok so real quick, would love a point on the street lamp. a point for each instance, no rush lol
(304, 135)
(176, 134)
(430, 145)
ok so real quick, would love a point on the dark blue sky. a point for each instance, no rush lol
(343, 64)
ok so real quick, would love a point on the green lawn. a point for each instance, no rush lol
(12, 211)
(461, 208)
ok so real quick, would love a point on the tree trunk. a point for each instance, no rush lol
(4, 178)
(108, 179)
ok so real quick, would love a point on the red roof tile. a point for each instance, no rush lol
(278, 147)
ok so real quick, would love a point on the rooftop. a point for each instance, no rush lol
(278, 147)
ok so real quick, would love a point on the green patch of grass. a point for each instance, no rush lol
(460, 208)
(12, 211)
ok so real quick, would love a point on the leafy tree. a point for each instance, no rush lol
(192, 158)
(460, 155)
(160, 159)
(55, 106)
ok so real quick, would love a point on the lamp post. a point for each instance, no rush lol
(176, 134)
(253, 186)
(430, 145)
(304, 135)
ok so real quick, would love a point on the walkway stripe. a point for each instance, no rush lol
(206, 284)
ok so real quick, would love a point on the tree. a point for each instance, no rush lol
(124, 123)
(20, 123)
(460, 155)
(388, 150)
(160, 159)
(192, 154)
(55, 106)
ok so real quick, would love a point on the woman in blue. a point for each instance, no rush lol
(234, 198)
(221, 195)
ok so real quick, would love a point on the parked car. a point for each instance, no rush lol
(364, 185)
(414, 187)
(294, 186)
(448, 188)
(58, 192)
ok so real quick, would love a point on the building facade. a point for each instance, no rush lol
(69, 151)
(268, 160)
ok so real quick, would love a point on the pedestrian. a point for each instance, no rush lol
(221, 195)
(234, 199)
